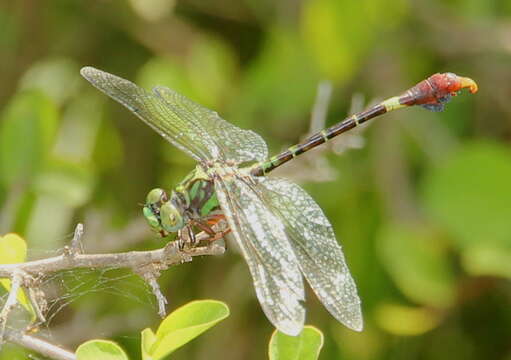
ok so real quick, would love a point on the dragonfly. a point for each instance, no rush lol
(283, 234)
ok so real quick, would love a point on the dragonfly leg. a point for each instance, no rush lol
(186, 237)
(219, 235)
(213, 235)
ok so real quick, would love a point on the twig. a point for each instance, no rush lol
(10, 303)
(36, 298)
(321, 104)
(150, 278)
(75, 243)
(41, 346)
(164, 257)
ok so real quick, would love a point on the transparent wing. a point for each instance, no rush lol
(266, 249)
(235, 143)
(170, 122)
(319, 255)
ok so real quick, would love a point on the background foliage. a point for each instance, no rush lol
(422, 210)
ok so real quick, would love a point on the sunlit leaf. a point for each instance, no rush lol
(13, 250)
(185, 324)
(406, 320)
(417, 261)
(305, 346)
(27, 130)
(100, 350)
(148, 338)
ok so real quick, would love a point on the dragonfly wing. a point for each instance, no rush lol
(235, 143)
(319, 255)
(266, 249)
(171, 122)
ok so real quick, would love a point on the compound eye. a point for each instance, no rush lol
(171, 219)
(151, 218)
(155, 196)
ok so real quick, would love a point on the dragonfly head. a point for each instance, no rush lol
(161, 214)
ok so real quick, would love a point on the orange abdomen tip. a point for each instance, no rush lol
(468, 83)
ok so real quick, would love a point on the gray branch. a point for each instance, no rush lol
(163, 258)
(38, 345)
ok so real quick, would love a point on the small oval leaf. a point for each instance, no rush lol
(305, 346)
(185, 324)
(13, 250)
(100, 350)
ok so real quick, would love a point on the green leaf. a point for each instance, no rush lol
(305, 346)
(417, 261)
(148, 339)
(27, 130)
(469, 194)
(13, 250)
(185, 324)
(100, 350)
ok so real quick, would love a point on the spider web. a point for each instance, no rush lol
(84, 296)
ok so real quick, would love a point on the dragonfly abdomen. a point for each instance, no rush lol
(431, 93)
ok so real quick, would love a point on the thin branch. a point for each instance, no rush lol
(167, 256)
(38, 345)
(11, 302)
(321, 104)
(36, 298)
(76, 242)
(151, 279)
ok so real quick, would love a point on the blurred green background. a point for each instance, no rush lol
(423, 209)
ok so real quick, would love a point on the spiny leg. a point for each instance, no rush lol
(207, 228)
(186, 237)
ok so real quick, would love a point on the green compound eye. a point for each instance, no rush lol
(171, 219)
(151, 218)
(155, 196)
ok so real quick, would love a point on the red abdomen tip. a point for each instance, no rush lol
(438, 88)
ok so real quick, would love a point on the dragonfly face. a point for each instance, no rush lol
(161, 214)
